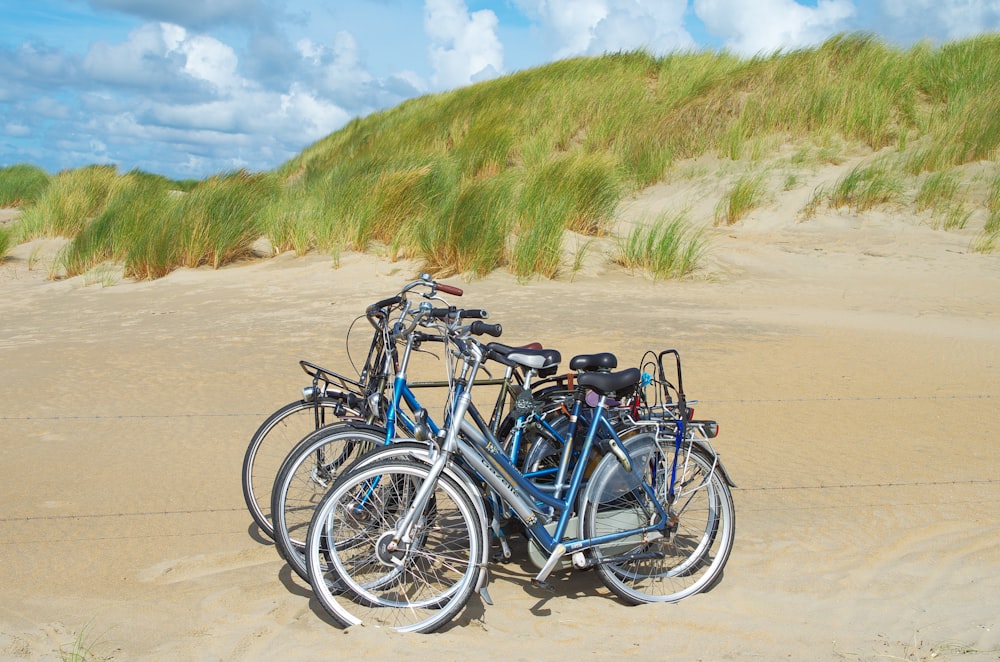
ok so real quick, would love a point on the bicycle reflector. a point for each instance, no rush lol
(711, 428)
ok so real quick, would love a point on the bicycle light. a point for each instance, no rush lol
(309, 393)
(373, 405)
(421, 430)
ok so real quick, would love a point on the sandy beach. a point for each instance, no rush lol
(852, 361)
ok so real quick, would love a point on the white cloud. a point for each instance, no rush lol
(165, 93)
(208, 59)
(338, 68)
(16, 129)
(191, 13)
(31, 62)
(50, 108)
(657, 25)
(942, 19)
(337, 74)
(464, 47)
(765, 26)
(309, 117)
(591, 27)
(141, 60)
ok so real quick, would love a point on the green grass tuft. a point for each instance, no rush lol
(993, 206)
(747, 194)
(937, 190)
(866, 186)
(666, 248)
(134, 204)
(21, 185)
(68, 203)
(82, 649)
(5, 242)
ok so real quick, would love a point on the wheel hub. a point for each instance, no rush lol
(390, 555)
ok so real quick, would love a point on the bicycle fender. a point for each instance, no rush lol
(710, 452)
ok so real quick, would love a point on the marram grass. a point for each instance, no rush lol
(5, 242)
(492, 175)
(69, 202)
(666, 248)
(746, 194)
(21, 185)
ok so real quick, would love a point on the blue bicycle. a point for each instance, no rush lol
(402, 538)
(310, 467)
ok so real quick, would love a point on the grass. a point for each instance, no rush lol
(5, 242)
(68, 203)
(666, 248)
(82, 649)
(993, 206)
(937, 191)
(866, 186)
(21, 185)
(491, 175)
(746, 194)
(576, 193)
(151, 230)
(579, 256)
(133, 205)
(989, 239)
(952, 217)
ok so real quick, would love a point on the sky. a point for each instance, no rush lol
(192, 88)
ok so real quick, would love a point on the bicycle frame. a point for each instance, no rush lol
(524, 497)
(488, 460)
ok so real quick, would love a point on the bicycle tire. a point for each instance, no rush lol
(692, 552)
(308, 473)
(270, 444)
(420, 587)
(411, 450)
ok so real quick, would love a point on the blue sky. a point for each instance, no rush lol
(190, 88)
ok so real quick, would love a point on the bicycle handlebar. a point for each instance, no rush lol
(482, 328)
(459, 313)
(384, 303)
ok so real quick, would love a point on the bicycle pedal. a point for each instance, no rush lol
(545, 586)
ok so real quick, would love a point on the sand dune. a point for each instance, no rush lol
(852, 361)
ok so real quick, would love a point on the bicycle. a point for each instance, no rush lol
(314, 462)
(655, 521)
(310, 467)
(330, 397)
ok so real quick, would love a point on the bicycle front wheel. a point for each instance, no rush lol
(417, 586)
(270, 444)
(689, 551)
(306, 475)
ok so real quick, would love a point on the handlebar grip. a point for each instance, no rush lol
(391, 301)
(482, 328)
(449, 289)
(441, 313)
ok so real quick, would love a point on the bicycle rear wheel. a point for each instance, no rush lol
(684, 558)
(425, 581)
(308, 473)
(270, 444)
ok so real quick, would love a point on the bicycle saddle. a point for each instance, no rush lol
(586, 362)
(607, 383)
(538, 359)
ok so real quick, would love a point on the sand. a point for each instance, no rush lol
(853, 362)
